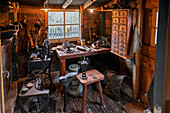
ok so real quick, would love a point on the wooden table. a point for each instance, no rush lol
(63, 56)
(33, 92)
(93, 76)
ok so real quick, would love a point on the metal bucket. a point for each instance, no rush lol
(75, 88)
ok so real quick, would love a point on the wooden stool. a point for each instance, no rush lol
(93, 76)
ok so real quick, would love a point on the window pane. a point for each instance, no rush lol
(55, 32)
(55, 18)
(72, 31)
(71, 17)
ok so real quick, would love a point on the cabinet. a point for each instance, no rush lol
(121, 28)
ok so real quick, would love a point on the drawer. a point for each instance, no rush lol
(123, 13)
(122, 28)
(123, 45)
(122, 54)
(115, 33)
(115, 20)
(115, 27)
(114, 49)
(122, 40)
(123, 20)
(115, 13)
(122, 35)
(115, 42)
(115, 39)
(122, 50)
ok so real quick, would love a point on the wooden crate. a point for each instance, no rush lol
(121, 27)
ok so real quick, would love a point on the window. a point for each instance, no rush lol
(63, 24)
(156, 31)
(154, 27)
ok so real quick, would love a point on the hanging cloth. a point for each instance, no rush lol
(135, 43)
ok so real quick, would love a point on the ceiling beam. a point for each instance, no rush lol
(88, 3)
(67, 3)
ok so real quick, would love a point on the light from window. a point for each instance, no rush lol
(63, 25)
(156, 31)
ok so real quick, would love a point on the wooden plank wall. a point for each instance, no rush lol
(91, 20)
(4, 19)
(148, 49)
(108, 23)
(31, 13)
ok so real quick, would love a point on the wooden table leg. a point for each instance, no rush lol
(62, 72)
(62, 67)
(100, 92)
(84, 99)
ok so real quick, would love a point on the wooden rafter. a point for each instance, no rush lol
(67, 3)
(88, 3)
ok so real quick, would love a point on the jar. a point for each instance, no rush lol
(83, 42)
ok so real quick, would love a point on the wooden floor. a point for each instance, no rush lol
(92, 104)
(136, 107)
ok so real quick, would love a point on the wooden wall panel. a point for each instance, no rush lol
(4, 18)
(152, 3)
(147, 71)
(91, 20)
(31, 13)
(147, 26)
(149, 51)
(108, 23)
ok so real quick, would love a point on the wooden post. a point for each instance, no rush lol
(81, 17)
(46, 18)
(2, 108)
(136, 67)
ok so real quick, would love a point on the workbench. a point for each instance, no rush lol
(63, 56)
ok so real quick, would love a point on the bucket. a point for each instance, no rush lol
(75, 88)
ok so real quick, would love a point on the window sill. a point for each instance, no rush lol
(63, 40)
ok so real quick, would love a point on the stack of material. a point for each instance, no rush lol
(117, 84)
(108, 74)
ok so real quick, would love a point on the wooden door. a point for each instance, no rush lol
(2, 107)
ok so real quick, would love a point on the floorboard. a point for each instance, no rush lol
(136, 107)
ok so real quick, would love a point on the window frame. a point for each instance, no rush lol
(154, 27)
(70, 38)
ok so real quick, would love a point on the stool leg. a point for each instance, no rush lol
(84, 99)
(100, 92)
(65, 99)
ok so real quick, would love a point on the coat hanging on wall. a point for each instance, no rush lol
(136, 43)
